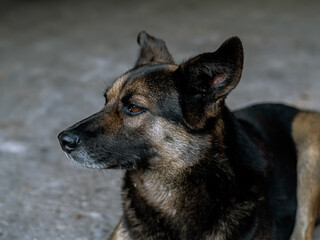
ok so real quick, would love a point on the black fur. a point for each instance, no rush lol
(268, 125)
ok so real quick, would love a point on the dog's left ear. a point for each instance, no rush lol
(207, 79)
(152, 50)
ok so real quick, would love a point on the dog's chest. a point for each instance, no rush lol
(171, 210)
(161, 195)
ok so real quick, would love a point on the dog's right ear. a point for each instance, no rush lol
(152, 50)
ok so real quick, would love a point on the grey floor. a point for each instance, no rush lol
(56, 58)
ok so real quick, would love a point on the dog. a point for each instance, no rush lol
(194, 169)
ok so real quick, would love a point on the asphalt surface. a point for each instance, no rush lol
(57, 57)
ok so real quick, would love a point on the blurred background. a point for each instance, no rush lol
(57, 57)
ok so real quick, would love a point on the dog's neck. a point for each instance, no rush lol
(184, 175)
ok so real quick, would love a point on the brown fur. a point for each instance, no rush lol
(306, 134)
(119, 232)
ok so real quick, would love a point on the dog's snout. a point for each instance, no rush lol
(68, 141)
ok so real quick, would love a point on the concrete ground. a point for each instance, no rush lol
(56, 58)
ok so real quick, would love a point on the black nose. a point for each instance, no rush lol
(68, 141)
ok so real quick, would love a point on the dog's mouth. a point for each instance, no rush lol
(84, 160)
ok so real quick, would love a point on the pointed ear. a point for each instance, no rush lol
(207, 79)
(152, 50)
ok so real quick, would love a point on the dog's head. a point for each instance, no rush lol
(157, 112)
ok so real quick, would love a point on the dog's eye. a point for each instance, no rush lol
(133, 109)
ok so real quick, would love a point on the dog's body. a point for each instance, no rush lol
(246, 195)
(195, 170)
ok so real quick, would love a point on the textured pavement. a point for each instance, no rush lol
(57, 57)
